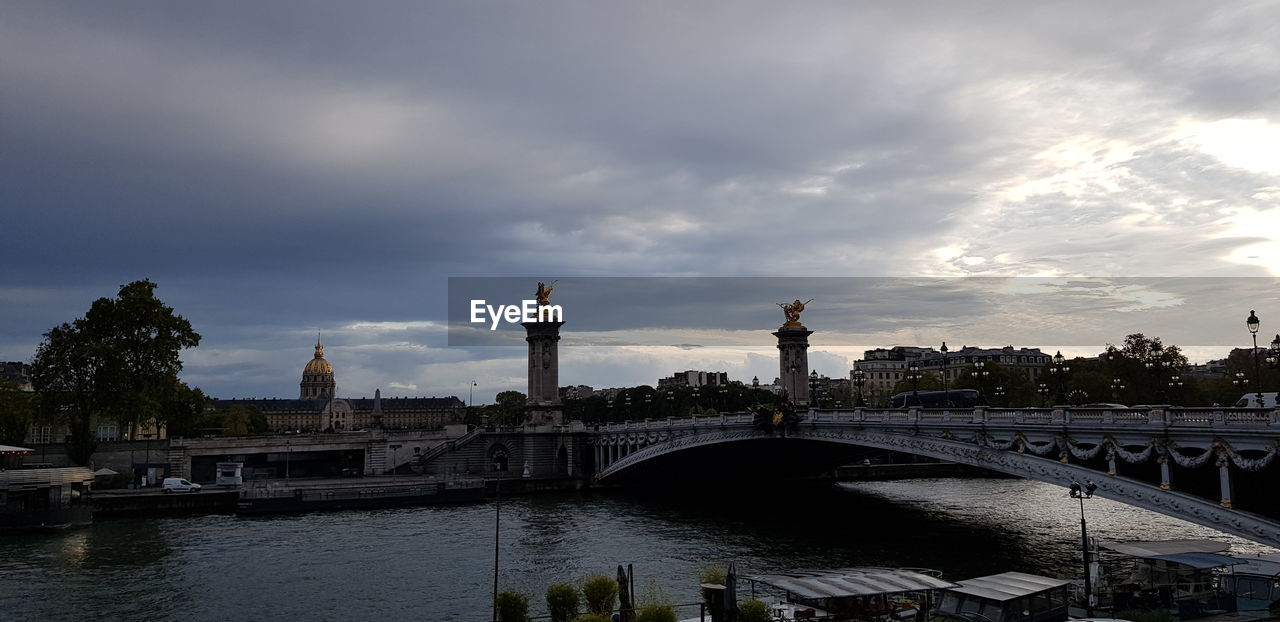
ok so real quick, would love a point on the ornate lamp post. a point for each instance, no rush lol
(1153, 365)
(999, 393)
(946, 396)
(696, 401)
(724, 398)
(1043, 390)
(1253, 324)
(1082, 493)
(859, 379)
(671, 401)
(813, 389)
(1116, 387)
(1240, 381)
(913, 376)
(1273, 353)
(980, 374)
(1175, 384)
(1059, 370)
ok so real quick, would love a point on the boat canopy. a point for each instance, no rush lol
(1199, 561)
(1165, 547)
(850, 582)
(1007, 586)
(1265, 564)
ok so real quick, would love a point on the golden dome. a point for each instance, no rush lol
(318, 365)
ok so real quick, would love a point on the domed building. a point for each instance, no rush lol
(317, 377)
(318, 407)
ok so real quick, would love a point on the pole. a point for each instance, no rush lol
(1257, 370)
(497, 522)
(1088, 582)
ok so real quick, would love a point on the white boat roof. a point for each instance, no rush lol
(1153, 548)
(1265, 564)
(846, 582)
(1007, 586)
(10, 449)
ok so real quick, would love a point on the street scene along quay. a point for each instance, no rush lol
(640, 312)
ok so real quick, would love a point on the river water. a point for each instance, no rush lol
(435, 564)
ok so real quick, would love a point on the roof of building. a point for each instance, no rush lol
(846, 582)
(318, 365)
(270, 405)
(10, 449)
(1008, 586)
(1153, 548)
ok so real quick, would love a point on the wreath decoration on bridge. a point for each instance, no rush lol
(771, 418)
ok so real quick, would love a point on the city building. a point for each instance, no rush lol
(885, 367)
(16, 372)
(691, 378)
(319, 409)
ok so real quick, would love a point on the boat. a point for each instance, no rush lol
(864, 593)
(275, 497)
(1006, 597)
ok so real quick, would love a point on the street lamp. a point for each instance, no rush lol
(859, 379)
(1153, 365)
(724, 399)
(288, 453)
(1059, 370)
(1082, 493)
(1175, 383)
(395, 449)
(999, 393)
(946, 396)
(980, 374)
(1253, 324)
(1273, 353)
(1116, 387)
(813, 388)
(1240, 383)
(913, 376)
(1043, 390)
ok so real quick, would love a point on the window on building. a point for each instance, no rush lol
(108, 432)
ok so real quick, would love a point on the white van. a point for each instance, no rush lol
(177, 484)
(1250, 400)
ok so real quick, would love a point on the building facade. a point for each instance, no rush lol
(693, 378)
(885, 367)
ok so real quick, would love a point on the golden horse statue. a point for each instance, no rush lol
(793, 311)
(544, 293)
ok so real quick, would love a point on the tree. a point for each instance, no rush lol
(512, 606)
(184, 412)
(120, 361)
(601, 593)
(510, 408)
(17, 413)
(563, 602)
(243, 420)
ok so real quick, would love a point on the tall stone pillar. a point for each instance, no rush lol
(793, 361)
(543, 401)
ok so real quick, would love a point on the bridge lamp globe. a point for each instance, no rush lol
(1273, 353)
(1252, 322)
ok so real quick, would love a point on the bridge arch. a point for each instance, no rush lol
(637, 449)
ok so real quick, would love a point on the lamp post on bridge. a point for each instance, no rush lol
(1043, 390)
(1253, 324)
(980, 374)
(1240, 382)
(1059, 370)
(813, 389)
(1082, 493)
(859, 379)
(1153, 365)
(1116, 387)
(913, 376)
(1273, 353)
(946, 395)
(999, 393)
(1175, 383)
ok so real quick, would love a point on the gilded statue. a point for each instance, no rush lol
(793, 311)
(544, 293)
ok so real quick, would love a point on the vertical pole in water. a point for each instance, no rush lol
(497, 521)
(1088, 582)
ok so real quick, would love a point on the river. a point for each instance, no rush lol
(435, 564)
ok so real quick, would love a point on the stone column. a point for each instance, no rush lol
(793, 362)
(542, 405)
(1224, 476)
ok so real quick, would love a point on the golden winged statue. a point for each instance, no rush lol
(544, 293)
(793, 311)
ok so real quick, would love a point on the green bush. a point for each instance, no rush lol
(656, 613)
(512, 606)
(593, 617)
(712, 574)
(601, 593)
(562, 602)
(754, 611)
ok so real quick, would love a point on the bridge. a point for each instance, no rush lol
(1181, 462)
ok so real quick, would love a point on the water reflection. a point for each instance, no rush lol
(436, 563)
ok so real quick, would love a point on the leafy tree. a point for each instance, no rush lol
(601, 593)
(510, 408)
(184, 411)
(17, 413)
(562, 602)
(243, 420)
(120, 361)
(656, 613)
(512, 606)
(593, 617)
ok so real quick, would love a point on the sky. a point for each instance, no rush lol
(287, 168)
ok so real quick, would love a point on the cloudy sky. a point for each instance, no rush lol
(286, 167)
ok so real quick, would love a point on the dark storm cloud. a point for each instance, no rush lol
(289, 166)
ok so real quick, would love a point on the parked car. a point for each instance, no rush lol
(177, 484)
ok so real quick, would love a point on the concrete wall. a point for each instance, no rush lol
(534, 451)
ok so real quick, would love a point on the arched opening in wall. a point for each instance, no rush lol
(499, 457)
(562, 461)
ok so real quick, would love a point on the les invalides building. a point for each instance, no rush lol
(319, 409)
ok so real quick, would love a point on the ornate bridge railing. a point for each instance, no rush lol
(1039, 443)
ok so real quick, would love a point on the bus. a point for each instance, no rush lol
(955, 398)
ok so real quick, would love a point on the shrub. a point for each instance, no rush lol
(562, 602)
(601, 593)
(754, 611)
(512, 606)
(712, 574)
(656, 613)
(593, 617)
